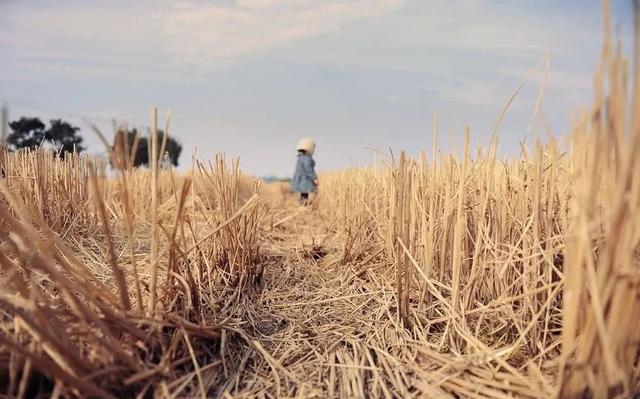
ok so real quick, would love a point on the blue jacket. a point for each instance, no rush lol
(304, 176)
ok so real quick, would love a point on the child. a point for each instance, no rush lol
(304, 179)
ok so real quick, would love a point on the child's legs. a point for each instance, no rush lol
(304, 198)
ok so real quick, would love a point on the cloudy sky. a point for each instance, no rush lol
(249, 77)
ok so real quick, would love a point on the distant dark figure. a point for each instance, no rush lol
(304, 179)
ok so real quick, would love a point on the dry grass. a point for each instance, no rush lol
(442, 276)
(530, 263)
(78, 266)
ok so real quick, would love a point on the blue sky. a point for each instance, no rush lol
(250, 77)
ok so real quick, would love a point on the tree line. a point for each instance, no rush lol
(64, 138)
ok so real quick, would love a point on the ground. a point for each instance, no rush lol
(317, 327)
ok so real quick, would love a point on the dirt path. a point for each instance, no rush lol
(320, 327)
(294, 318)
(316, 329)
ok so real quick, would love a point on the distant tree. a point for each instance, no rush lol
(31, 133)
(64, 137)
(141, 157)
(25, 133)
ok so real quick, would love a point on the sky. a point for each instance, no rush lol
(251, 77)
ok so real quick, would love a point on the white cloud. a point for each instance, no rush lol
(211, 34)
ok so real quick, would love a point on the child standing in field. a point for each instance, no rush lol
(304, 179)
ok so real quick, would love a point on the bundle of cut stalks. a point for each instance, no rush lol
(532, 262)
(111, 287)
(44, 181)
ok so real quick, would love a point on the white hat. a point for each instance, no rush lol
(307, 145)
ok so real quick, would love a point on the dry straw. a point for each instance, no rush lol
(67, 290)
(457, 276)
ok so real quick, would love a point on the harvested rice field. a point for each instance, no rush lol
(463, 275)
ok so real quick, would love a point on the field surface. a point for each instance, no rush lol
(462, 275)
